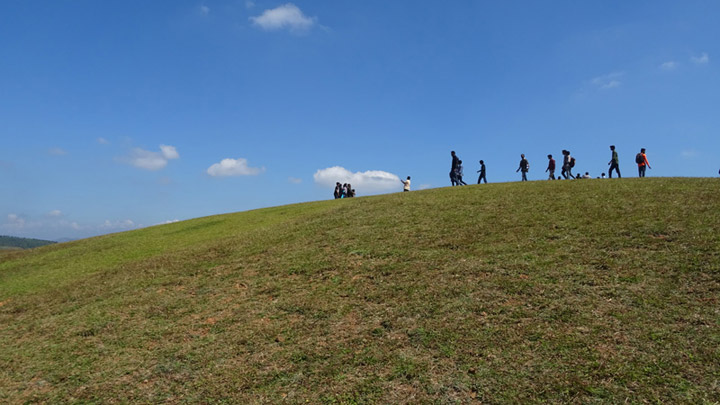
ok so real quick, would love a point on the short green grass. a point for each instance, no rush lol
(570, 291)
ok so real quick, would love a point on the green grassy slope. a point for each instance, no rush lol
(580, 291)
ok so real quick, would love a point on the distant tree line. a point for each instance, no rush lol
(22, 243)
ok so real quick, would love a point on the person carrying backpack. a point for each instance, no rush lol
(551, 168)
(614, 163)
(568, 164)
(524, 167)
(642, 162)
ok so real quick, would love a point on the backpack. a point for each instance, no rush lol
(639, 158)
(572, 162)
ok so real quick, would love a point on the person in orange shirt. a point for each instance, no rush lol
(642, 162)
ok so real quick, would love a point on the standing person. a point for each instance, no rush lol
(568, 164)
(459, 174)
(482, 172)
(614, 163)
(524, 167)
(551, 168)
(642, 162)
(338, 190)
(453, 169)
(406, 184)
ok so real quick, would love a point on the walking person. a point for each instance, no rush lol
(524, 167)
(551, 168)
(482, 172)
(459, 174)
(453, 169)
(642, 162)
(568, 164)
(406, 184)
(614, 163)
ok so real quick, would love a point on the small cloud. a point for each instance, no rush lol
(287, 16)
(249, 4)
(366, 182)
(169, 221)
(57, 152)
(55, 213)
(145, 159)
(294, 180)
(103, 141)
(233, 167)
(703, 59)
(16, 220)
(609, 81)
(204, 10)
(689, 154)
(119, 225)
(424, 186)
(670, 65)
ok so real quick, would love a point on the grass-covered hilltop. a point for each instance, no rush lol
(567, 291)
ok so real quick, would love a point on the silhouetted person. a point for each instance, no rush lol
(567, 165)
(459, 174)
(524, 167)
(338, 190)
(614, 163)
(551, 168)
(482, 172)
(453, 169)
(642, 162)
(406, 184)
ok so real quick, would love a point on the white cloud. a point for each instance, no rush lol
(15, 220)
(103, 141)
(204, 10)
(294, 180)
(233, 167)
(249, 4)
(119, 225)
(287, 16)
(57, 152)
(424, 186)
(609, 81)
(169, 221)
(365, 182)
(689, 154)
(55, 213)
(670, 65)
(703, 59)
(145, 159)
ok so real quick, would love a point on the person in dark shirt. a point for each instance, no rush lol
(614, 163)
(482, 172)
(524, 167)
(453, 169)
(551, 168)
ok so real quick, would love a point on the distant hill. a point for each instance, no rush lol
(580, 292)
(22, 243)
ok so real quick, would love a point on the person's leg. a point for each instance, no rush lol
(479, 178)
(484, 178)
(612, 166)
(524, 176)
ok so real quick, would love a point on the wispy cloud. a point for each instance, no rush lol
(689, 154)
(204, 10)
(57, 151)
(608, 81)
(424, 186)
(249, 4)
(370, 181)
(703, 59)
(145, 159)
(55, 213)
(287, 16)
(103, 141)
(294, 180)
(670, 65)
(233, 167)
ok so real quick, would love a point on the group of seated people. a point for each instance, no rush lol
(343, 190)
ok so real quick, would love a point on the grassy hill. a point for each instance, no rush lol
(568, 291)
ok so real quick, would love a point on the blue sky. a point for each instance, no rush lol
(122, 114)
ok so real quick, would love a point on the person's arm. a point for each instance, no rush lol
(646, 161)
